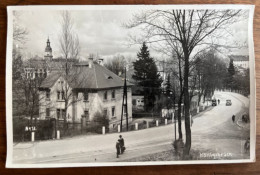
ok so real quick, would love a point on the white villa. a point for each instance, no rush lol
(240, 61)
(89, 88)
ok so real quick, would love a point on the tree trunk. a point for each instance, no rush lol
(179, 118)
(187, 105)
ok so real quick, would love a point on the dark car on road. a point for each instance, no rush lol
(214, 102)
(228, 103)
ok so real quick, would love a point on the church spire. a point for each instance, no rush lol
(48, 50)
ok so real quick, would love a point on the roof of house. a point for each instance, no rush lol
(54, 64)
(36, 62)
(50, 80)
(83, 76)
(239, 57)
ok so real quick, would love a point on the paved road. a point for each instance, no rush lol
(213, 130)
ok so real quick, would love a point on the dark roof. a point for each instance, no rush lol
(50, 80)
(82, 76)
(239, 57)
(36, 62)
(54, 64)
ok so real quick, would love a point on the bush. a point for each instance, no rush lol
(99, 120)
(19, 133)
(45, 129)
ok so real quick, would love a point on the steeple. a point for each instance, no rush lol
(48, 50)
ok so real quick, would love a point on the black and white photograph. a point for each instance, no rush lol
(121, 85)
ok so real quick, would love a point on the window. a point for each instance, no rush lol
(48, 95)
(113, 111)
(134, 101)
(105, 95)
(60, 95)
(85, 96)
(58, 113)
(113, 94)
(63, 114)
(47, 112)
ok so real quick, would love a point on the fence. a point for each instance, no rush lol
(47, 129)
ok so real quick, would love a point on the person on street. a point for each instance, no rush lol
(233, 118)
(247, 145)
(218, 101)
(122, 144)
(117, 149)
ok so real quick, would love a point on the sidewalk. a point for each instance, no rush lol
(87, 144)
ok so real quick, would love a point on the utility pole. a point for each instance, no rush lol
(124, 105)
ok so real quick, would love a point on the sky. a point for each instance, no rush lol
(100, 32)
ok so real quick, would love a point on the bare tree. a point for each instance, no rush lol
(69, 48)
(116, 64)
(190, 29)
(19, 32)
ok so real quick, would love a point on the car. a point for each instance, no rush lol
(214, 102)
(228, 103)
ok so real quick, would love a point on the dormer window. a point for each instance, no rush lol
(108, 77)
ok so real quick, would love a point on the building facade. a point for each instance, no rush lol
(240, 61)
(41, 67)
(89, 89)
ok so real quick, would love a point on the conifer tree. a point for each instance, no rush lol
(230, 83)
(147, 76)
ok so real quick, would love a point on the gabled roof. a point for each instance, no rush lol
(239, 57)
(49, 81)
(83, 76)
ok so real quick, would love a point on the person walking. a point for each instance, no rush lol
(218, 101)
(117, 149)
(247, 145)
(122, 144)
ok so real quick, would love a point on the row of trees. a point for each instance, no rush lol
(183, 34)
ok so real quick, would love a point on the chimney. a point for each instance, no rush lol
(100, 61)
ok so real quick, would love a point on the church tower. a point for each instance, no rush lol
(48, 51)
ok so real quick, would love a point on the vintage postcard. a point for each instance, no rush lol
(130, 85)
